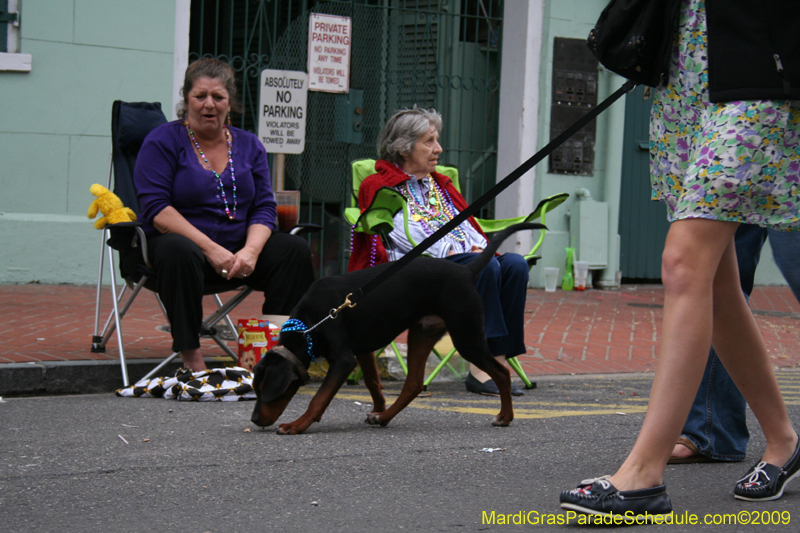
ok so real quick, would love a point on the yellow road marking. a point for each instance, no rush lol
(520, 411)
(531, 409)
(531, 413)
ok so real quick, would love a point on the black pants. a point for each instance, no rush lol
(183, 275)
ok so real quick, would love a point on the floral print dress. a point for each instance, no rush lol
(734, 161)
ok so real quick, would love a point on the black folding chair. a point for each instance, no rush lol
(130, 124)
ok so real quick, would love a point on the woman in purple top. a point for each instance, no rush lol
(209, 213)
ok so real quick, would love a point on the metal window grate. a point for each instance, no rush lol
(574, 93)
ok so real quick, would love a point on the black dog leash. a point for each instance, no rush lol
(485, 199)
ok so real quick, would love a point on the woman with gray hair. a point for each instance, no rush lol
(408, 151)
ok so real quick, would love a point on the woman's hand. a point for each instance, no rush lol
(221, 259)
(169, 220)
(244, 263)
(475, 250)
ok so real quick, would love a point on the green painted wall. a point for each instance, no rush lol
(571, 19)
(574, 19)
(55, 138)
(55, 129)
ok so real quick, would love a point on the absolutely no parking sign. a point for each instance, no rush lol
(282, 111)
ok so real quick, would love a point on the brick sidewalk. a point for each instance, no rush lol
(566, 332)
(619, 331)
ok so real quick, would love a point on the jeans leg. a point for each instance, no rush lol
(488, 285)
(513, 293)
(717, 424)
(503, 287)
(786, 252)
(749, 241)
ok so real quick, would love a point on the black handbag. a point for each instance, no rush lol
(634, 38)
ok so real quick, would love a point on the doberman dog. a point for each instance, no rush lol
(428, 297)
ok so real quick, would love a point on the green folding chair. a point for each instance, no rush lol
(378, 219)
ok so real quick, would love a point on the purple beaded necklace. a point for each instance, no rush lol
(373, 243)
(437, 214)
(217, 176)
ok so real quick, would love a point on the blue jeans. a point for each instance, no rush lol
(717, 424)
(503, 285)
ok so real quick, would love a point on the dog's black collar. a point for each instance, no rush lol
(302, 373)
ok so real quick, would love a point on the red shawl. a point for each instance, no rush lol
(366, 247)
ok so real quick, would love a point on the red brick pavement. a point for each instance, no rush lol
(566, 332)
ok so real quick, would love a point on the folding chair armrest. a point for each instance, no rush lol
(123, 225)
(378, 217)
(351, 214)
(544, 207)
(493, 226)
(125, 235)
(305, 227)
(547, 205)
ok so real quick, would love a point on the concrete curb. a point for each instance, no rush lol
(73, 377)
(87, 377)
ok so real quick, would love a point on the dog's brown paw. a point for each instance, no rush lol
(499, 422)
(287, 429)
(373, 419)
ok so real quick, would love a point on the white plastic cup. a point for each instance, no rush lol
(550, 279)
(581, 273)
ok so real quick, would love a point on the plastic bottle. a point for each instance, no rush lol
(568, 281)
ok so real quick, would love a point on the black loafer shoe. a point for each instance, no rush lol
(488, 388)
(599, 497)
(764, 482)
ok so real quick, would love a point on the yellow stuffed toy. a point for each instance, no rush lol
(110, 205)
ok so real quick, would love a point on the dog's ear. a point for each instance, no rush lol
(273, 377)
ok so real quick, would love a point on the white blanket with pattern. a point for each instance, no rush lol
(214, 385)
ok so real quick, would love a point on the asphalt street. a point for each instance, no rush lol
(100, 463)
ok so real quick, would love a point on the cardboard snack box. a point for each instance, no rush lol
(256, 337)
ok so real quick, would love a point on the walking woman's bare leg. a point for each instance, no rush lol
(746, 359)
(703, 298)
(692, 254)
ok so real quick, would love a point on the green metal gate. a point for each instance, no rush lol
(432, 53)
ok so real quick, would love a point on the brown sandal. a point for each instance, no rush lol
(696, 456)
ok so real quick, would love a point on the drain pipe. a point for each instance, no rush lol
(610, 276)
